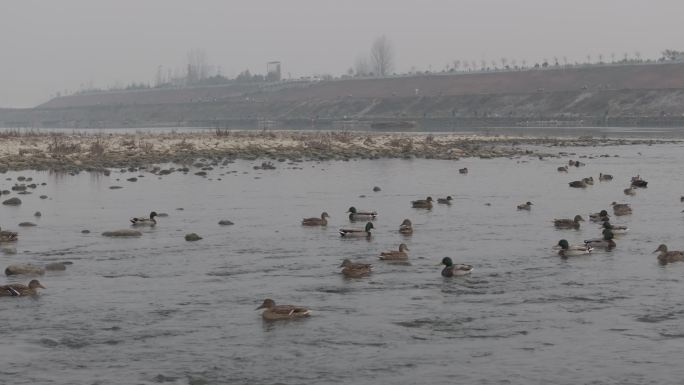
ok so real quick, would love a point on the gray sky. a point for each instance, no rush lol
(55, 45)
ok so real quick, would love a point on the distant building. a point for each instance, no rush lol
(273, 72)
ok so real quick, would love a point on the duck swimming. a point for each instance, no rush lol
(366, 232)
(620, 209)
(452, 270)
(601, 216)
(666, 256)
(355, 270)
(571, 251)
(566, 223)
(18, 290)
(322, 221)
(605, 177)
(275, 312)
(525, 206)
(629, 191)
(406, 227)
(578, 184)
(142, 221)
(606, 242)
(422, 203)
(361, 215)
(445, 201)
(395, 255)
(615, 229)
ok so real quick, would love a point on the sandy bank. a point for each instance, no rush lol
(40, 151)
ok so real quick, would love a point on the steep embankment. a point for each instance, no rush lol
(621, 95)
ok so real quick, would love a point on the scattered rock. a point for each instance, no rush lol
(225, 222)
(43, 197)
(27, 224)
(37, 214)
(134, 179)
(192, 237)
(12, 202)
(85, 231)
(115, 187)
(376, 189)
(122, 233)
(24, 269)
(56, 266)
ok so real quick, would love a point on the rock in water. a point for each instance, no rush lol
(225, 222)
(122, 233)
(24, 269)
(192, 237)
(37, 214)
(376, 189)
(55, 266)
(27, 224)
(12, 202)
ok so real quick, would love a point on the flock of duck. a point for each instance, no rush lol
(272, 311)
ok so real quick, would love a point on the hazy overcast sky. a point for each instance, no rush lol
(48, 46)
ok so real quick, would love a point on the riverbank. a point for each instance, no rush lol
(83, 151)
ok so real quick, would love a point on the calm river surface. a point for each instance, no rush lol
(159, 309)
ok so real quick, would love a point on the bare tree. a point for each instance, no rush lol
(457, 65)
(361, 66)
(198, 68)
(382, 56)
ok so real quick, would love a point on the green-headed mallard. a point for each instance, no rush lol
(8, 236)
(366, 232)
(275, 312)
(578, 184)
(567, 250)
(601, 216)
(620, 209)
(395, 255)
(406, 227)
(445, 201)
(142, 221)
(422, 203)
(355, 270)
(451, 269)
(322, 221)
(18, 290)
(615, 229)
(24, 269)
(566, 223)
(361, 215)
(606, 242)
(525, 206)
(666, 256)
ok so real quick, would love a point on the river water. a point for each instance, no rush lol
(158, 309)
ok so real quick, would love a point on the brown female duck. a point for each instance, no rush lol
(19, 290)
(355, 270)
(275, 312)
(395, 255)
(322, 221)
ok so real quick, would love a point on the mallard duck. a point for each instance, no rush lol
(422, 203)
(606, 242)
(605, 177)
(406, 227)
(638, 182)
(525, 206)
(452, 270)
(142, 221)
(666, 256)
(275, 312)
(355, 270)
(445, 201)
(601, 216)
(615, 229)
(361, 215)
(629, 191)
(589, 181)
(366, 232)
(562, 169)
(24, 269)
(578, 184)
(395, 255)
(463, 170)
(621, 209)
(18, 290)
(8, 236)
(566, 250)
(567, 223)
(322, 221)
